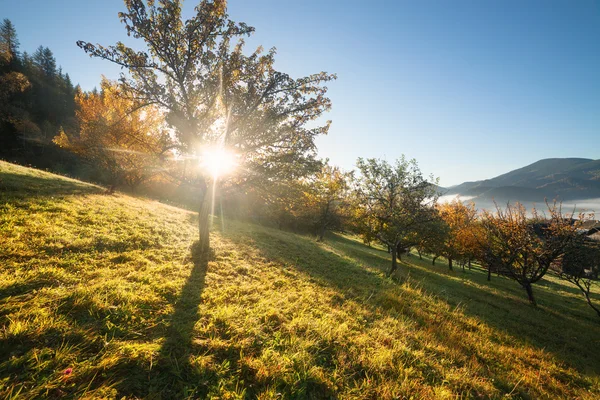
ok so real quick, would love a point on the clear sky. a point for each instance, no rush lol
(471, 89)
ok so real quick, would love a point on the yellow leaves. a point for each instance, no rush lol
(465, 233)
(117, 133)
(62, 140)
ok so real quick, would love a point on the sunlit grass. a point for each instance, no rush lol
(110, 287)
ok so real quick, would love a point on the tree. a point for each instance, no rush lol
(459, 218)
(527, 246)
(283, 202)
(215, 96)
(323, 197)
(358, 219)
(432, 237)
(9, 44)
(396, 200)
(580, 266)
(12, 84)
(44, 59)
(116, 135)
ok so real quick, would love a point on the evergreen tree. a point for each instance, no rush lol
(45, 62)
(9, 44)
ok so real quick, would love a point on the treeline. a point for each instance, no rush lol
(47, 122)
(36, 99)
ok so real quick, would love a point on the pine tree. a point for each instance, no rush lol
(45, 61)
(9, 44)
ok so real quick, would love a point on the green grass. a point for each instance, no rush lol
(110, 287)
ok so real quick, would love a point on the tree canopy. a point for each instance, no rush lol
(397, 200)
(214, 94)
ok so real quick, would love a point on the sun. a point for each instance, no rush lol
(218, 161)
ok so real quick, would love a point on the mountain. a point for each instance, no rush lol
(565, 179)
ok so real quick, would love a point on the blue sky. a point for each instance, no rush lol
(471, 89)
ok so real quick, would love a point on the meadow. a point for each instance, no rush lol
(104, 296)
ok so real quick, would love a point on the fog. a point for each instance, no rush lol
(588, 206)
(451, 197)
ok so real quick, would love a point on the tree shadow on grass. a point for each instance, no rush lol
(565, 287)
(172, 375)
(23, 186)
(21, 288)
(340, 264)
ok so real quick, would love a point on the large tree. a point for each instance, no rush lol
(216, 96)
(397, 200)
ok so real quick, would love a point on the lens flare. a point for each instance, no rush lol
(217, 161)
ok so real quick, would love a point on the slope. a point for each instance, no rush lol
(102, 297)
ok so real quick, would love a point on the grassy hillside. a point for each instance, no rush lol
(102, 297)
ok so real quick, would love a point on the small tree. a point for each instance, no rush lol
(396, 200)
(580, 266)
(528, 246)
(432, 238)
(323, 198)
(460, 219)
(283, 202)
(9, 44)
(116, 135)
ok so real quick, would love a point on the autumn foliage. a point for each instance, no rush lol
(527, 245)
(117, 134)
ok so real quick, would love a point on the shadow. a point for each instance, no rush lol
(40, 184)
(23, 288)
(357, 273)
(172, 373)
(565, 287)
(306, 255)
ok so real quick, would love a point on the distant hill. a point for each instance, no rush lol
(565, 179)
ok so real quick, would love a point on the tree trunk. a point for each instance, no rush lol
(469, 263)
(489, 278)
(589, 301)
(204, 224)
(433, 260)
(450, 264)
(322, 233)
(399, 251)
(529, 291)
(394, 261)
(586, 293)
(420, 256)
